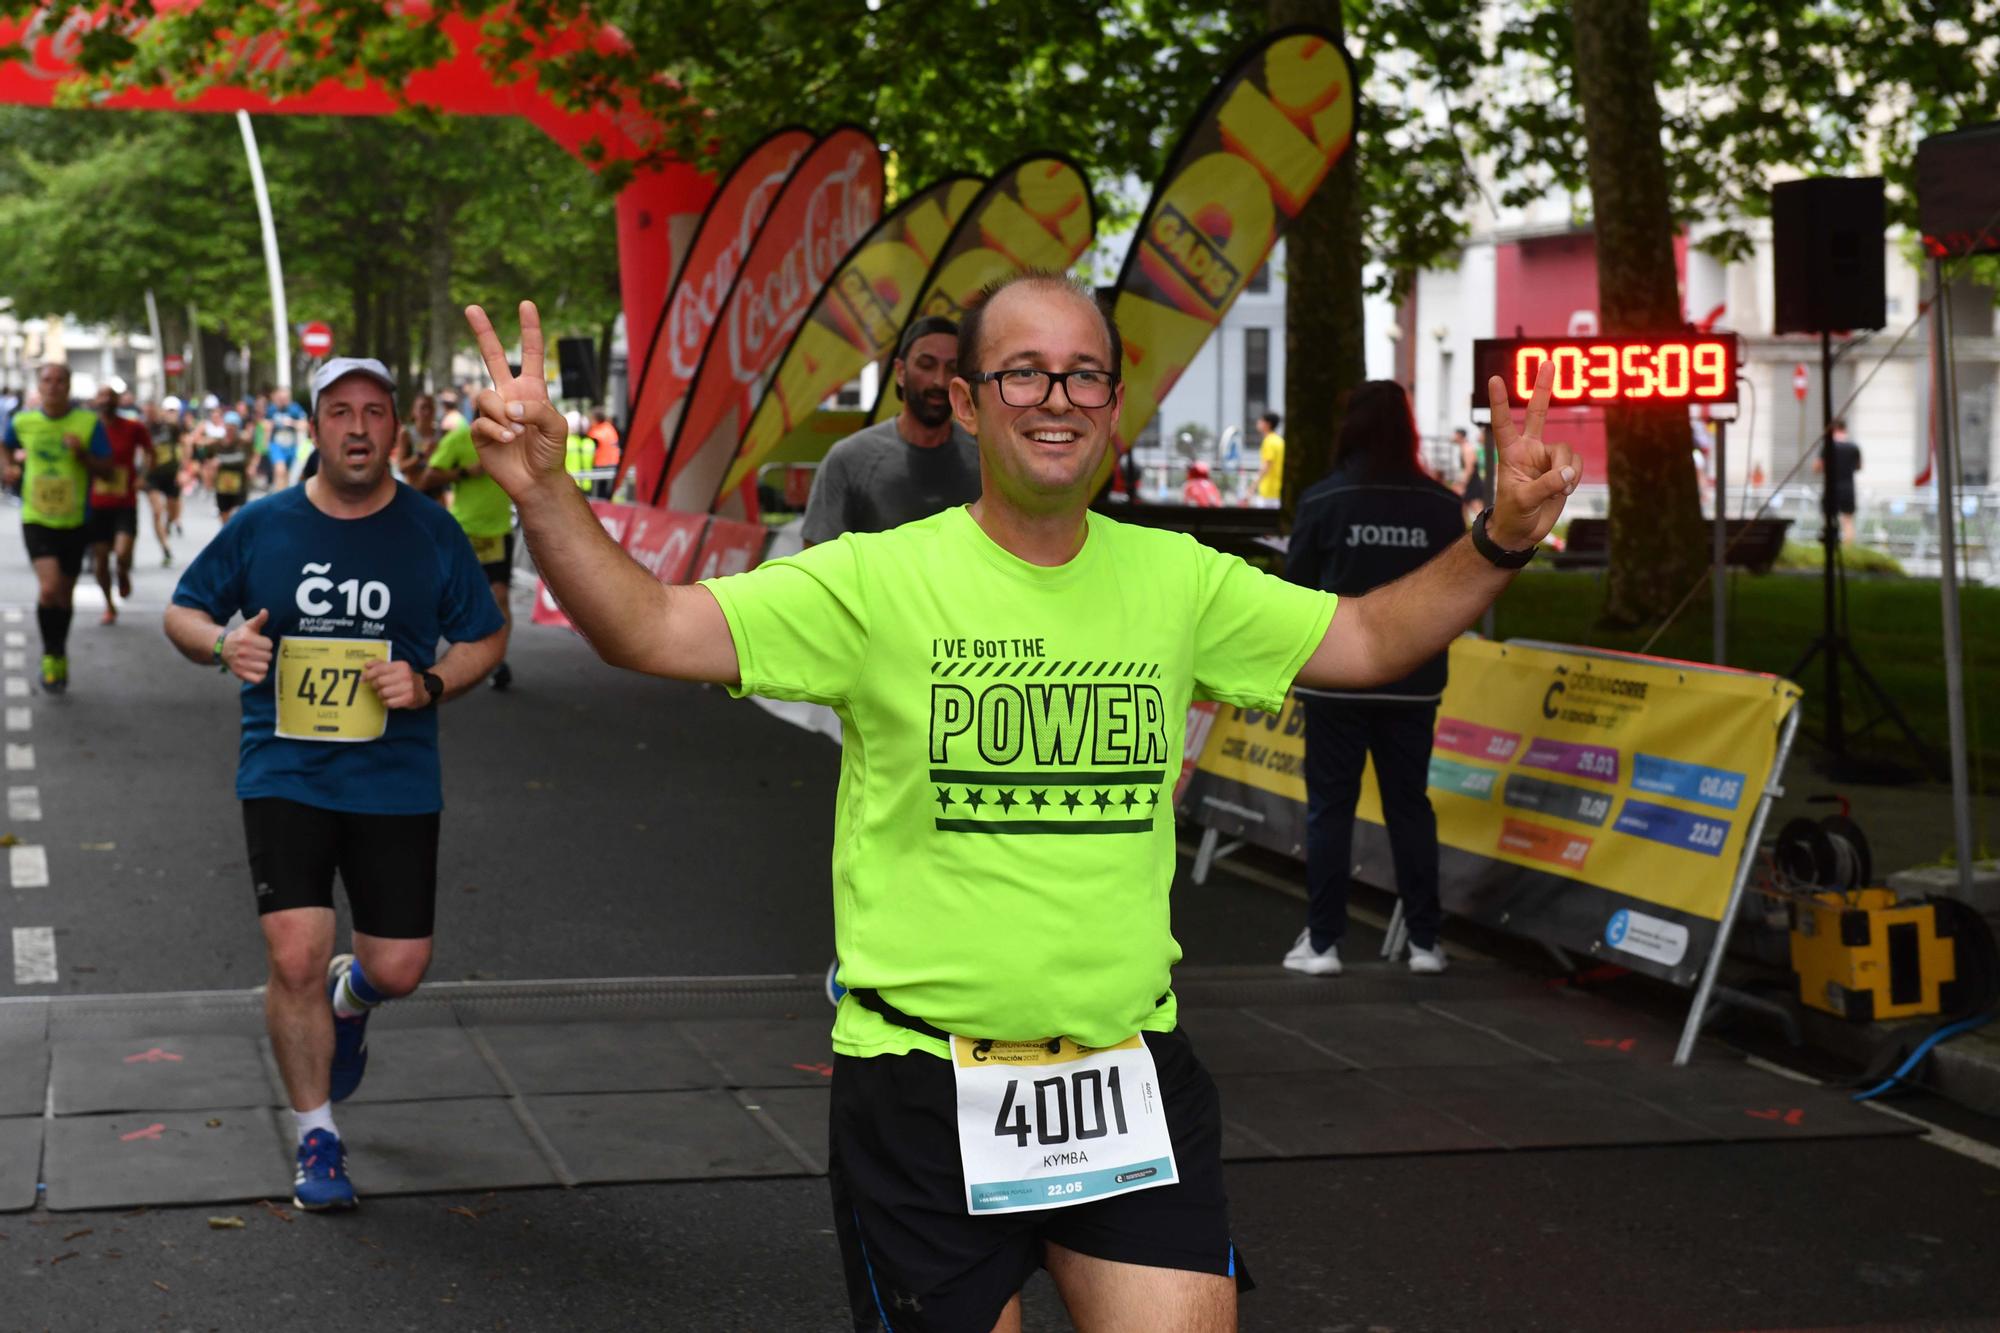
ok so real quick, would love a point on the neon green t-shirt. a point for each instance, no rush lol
(478, 503)
(55, 485)
(1004, 833)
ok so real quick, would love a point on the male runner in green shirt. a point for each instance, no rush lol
(1009, 1089)
(483, 510)
(54, 451)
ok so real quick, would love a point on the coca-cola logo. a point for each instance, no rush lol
(770, 303)
(698, 297)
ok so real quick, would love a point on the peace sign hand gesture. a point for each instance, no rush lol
(1534, 478)
(521, 437)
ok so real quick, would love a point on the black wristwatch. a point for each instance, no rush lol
(433, 686)
(1497, 555)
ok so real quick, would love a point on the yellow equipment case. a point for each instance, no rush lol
(1866, 956)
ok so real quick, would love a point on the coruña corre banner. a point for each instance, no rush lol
(721, 240)
(1262, 144)
(1036, 213)
(857, 318)
(831, 201)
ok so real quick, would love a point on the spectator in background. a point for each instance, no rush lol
(1198, 490)
(1846, 462)
(1375, 518)
(414, 443)
(580, 450)
(1271, 452)
(608, 449)
(287, 420)
(896, 472)
(1474, 494)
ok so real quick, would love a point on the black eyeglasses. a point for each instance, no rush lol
(1023, 386)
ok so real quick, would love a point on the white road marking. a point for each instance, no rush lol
(13, 660)
(34, 955)
(12, 615)
(19, 717)
(15, 638)
(24, 803)
(20, 757)
(28, 866)
(1950, 1140)
(17, 687)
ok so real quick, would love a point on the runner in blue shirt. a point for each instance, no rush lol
(347, 584)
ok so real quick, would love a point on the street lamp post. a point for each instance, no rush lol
(281, 344)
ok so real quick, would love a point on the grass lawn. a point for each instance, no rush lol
(1895, 625)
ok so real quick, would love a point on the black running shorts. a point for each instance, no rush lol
(63, 545)
(916, 1260)
(165, 480)
(497, 571)
(387, 864)
(104, 525)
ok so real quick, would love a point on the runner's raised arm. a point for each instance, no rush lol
(631, 619)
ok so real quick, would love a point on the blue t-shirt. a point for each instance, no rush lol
(285, 422)
(405, 573)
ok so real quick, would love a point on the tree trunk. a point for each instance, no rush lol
(1324, 358)
(1657, 550)
(445, 320)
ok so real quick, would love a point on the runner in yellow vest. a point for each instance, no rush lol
(53, 451)
(580, 456)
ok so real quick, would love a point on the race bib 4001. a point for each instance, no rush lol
(1045, 1125)
(321, 695)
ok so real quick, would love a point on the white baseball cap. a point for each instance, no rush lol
(340, 367)
(170, 403)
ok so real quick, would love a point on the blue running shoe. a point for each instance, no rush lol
(321, 1182)
(350, 1037)
(834, 990)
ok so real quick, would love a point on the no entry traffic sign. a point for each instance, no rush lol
(1800, 380)
(316, 339)
(173, 363)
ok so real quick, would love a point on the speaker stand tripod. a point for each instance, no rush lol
(1833, 645)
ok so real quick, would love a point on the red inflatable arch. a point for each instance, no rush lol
(48, 41)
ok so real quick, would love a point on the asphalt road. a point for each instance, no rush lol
(601, 825)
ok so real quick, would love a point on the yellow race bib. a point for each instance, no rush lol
(53, 494)
(228, 483)
(321, 696)
(489, 550)
(114, 485)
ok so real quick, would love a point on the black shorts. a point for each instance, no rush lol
(232, 500)
(501, 570)
(916, 1260)
(104, 525)
(387, 864)
(65, 545)
(166, 480)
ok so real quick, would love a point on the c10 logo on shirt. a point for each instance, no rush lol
(370, 599)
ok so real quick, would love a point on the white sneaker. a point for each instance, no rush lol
(1427, 962)
(1319, 963)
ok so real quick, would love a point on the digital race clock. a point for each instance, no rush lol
(1670, 370)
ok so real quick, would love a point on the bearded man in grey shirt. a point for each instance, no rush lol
(886, 475)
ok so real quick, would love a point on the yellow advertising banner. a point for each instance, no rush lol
(1035, 213)
(1636, 776)
(857, 317)
(1268, 136)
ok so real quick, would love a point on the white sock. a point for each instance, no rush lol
(320, 1117)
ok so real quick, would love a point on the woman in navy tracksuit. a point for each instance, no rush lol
(1376, 516)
